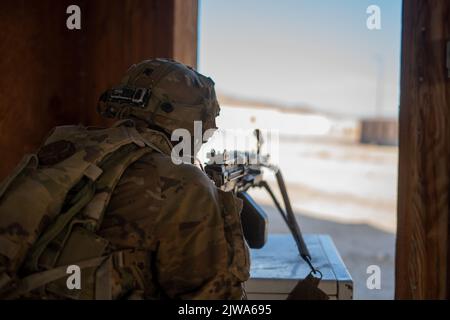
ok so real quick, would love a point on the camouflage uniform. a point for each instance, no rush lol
(113, 202)
(189, 230)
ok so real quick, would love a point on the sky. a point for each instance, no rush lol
(312, 53)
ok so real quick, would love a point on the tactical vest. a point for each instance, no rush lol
(53, 203)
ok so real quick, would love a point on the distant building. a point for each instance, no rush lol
(379, 131)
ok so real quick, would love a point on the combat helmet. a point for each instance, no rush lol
(163, 93)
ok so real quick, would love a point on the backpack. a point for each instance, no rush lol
(53, 203)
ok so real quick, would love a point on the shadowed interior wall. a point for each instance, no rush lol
(422, 257)
(51, 76)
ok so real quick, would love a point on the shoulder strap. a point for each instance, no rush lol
(34, 195)
(37, 280)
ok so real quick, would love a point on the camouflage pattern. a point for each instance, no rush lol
(69, 153)
(112, 201)
(179, 96)
(171, 232)
(190, 230)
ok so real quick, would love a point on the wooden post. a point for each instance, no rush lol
(52, 76)
(186, 32)
(422, 257)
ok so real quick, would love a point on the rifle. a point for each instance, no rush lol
(238, 172)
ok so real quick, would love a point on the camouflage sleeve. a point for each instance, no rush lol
(202, 253)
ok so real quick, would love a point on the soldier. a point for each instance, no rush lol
(137, 224)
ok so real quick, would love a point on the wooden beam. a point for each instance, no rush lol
(422, 253)
(52, 76)
(186, 31)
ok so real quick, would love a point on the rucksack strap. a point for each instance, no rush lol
(91, 201)
(40, 279)
(81, 200)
